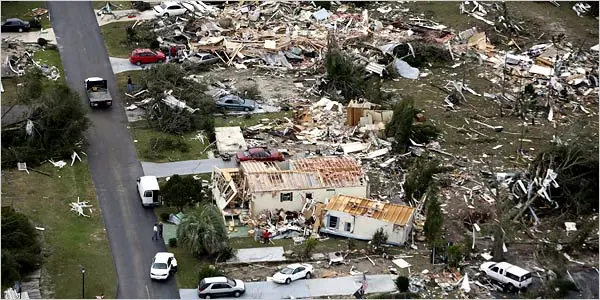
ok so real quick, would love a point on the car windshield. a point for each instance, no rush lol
(163, 5)
(286, 271)
(161, 266)
(231, 282)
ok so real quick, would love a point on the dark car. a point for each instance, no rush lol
(220, 287)
(236, 103)
(259, 154)
(146, 56)
(15, 25)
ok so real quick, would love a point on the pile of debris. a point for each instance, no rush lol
(20, 57)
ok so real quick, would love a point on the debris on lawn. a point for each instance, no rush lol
(79, 206)
(20, 57)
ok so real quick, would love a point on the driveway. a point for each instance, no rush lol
(321, 287)
(186, 167)
(111, 154)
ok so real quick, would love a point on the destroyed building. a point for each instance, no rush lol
(359, 218)
(256, 187)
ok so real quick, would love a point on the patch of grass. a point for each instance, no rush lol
(248, 120)
(70, 241)
(22, 9)
(50, 57)
(9, 96)
(114, 35)
(143, 134)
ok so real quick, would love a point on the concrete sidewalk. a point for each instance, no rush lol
(321, 287)
(185, 167)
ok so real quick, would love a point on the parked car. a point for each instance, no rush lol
(259, 154)
(220, 287)
(146, 56)
(510, 275)
(203, 58)
(161, 265)
(236, 103)
(15, 25)
(169, 8)
(293, 272)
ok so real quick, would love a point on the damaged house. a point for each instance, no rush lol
(256, 188)
(359, 218)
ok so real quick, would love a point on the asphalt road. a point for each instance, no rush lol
(111, 155)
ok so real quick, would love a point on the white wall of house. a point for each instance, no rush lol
(363, 228)
(273, 200)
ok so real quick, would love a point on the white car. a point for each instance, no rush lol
(293, 272)
(161, 265)
(169, 8)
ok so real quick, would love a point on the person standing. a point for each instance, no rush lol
(266, 236)
(174, 264)
(155, 232)
(129, 84)
(160, 229)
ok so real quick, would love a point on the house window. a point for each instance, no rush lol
(348, 226)
(333, 222)
(285, 197)
(309, 196)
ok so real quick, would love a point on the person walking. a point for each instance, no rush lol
(129, 84)
(174, 264)
(155, 232)
(160, 229)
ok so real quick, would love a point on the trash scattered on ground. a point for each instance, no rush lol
(78, 207)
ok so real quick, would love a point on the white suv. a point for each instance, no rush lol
(512, 276)
(220, 287)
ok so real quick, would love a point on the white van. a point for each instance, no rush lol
(512, 276)
(149, 191)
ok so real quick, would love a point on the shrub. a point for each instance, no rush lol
(308, 247)
(208, 271)
(402, 283)
(379, 238)
(454, 255)
(249, 92)
(21, 249)
(173, 242)
(164, 217)
(42, 42)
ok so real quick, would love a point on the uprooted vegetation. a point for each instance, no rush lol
(169, 80)
(405, 126)
(47, 120)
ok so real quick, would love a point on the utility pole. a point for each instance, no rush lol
(82, 283)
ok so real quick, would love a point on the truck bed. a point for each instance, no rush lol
(99, 96)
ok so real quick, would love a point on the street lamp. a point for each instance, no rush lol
(82, 283)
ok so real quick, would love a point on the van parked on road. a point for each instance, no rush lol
(149, 191)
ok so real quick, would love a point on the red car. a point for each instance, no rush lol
(259, 154)
(146, 56)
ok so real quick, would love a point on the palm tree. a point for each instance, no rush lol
(203, 231)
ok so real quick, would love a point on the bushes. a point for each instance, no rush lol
(173, 242)
(21, 249)
(164, 217)
(308, 247)
(379, 239)
(208, 271)
(402, 283)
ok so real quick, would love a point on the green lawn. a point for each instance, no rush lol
(142, 137)
(114, 34)
(249, 120)
(71, 241)
(21, 10)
